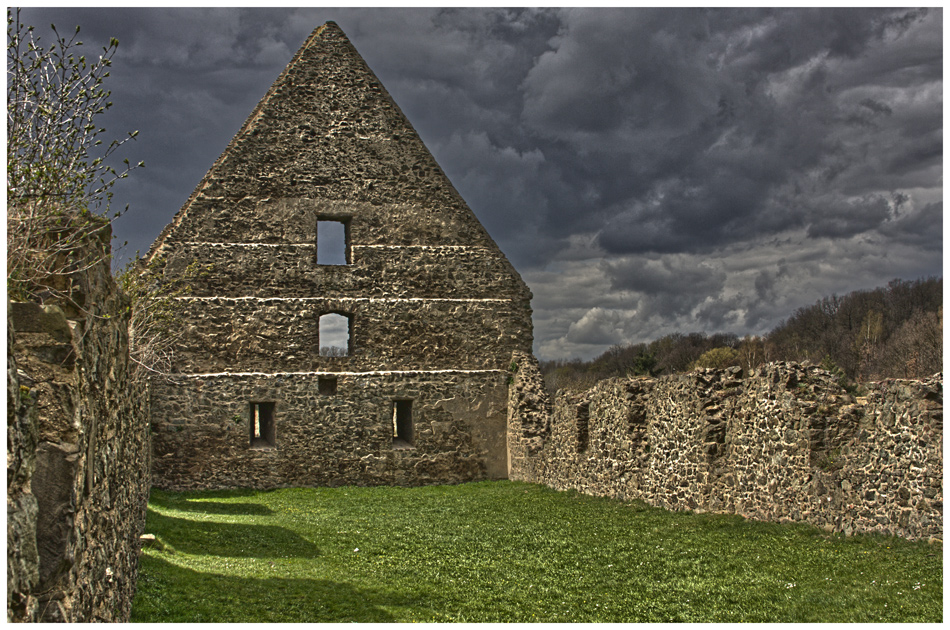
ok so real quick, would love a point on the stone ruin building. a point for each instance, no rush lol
(349, 321)
(347, 318)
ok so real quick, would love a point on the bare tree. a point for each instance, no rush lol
(868, 343)
(155, 326)
(751, 352)
(916, 349)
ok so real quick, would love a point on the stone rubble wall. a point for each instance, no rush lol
(784, 443)
(226, 334)
(77, 456)
(376, 271)
(202, 429)
(435, 309)
(23, 562)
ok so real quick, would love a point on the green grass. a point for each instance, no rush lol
(506, 551)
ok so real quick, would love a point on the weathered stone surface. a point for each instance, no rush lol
(434, 308)
(377, 271)
(329, 440)
(783, 443)
(276, 335)
(22, 435)
(77, 448)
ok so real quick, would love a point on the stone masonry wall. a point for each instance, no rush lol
(77, 456)
(434, 309)
(281, 335)
(23, 562)
(343, 438)
(784, 443)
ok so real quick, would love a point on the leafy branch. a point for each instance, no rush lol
(59, 181)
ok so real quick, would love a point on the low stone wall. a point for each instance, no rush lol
(77, 456)
(784, 443)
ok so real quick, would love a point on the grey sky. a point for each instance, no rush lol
(647, 171)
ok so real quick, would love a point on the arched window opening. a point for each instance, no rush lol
(334, 335)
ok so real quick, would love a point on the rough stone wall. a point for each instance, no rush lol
(784, 443)
(435, 308)
(238, 334)
(529, 417)
(354, 449)
(77, 445)
(23, 561)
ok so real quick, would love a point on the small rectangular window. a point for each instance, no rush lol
(326, 385)
(402, 423)
(333, 242)
(262, 425)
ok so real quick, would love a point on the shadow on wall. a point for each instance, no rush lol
(200, 597)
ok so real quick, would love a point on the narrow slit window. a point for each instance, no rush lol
(262, 424)
(334, 335)
(333, 242)
(402, 423)
(583, 427)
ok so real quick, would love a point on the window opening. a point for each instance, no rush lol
(262, 424)
(333, 335)
(326, 385)
(583, 426)
(402, 423)
(333, 242)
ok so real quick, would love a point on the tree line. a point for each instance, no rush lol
(888, 332)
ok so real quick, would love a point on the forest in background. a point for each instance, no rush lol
(888, 332)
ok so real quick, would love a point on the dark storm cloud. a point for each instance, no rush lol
(647, 171)
(674, 284)
(837, 218)
(922, 228)
(185, 79)
(752, 160)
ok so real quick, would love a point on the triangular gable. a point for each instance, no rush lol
(327, 131)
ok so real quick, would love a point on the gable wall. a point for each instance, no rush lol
(435, 307)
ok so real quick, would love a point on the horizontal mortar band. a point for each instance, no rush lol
(420, 247)
(221, 244)
(346, 299)
(369, 373)
(311, 245)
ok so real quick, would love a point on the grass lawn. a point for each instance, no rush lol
(507, 551)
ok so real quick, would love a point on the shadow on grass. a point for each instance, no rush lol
(235, 540)
(173, 501)
(169, 593)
